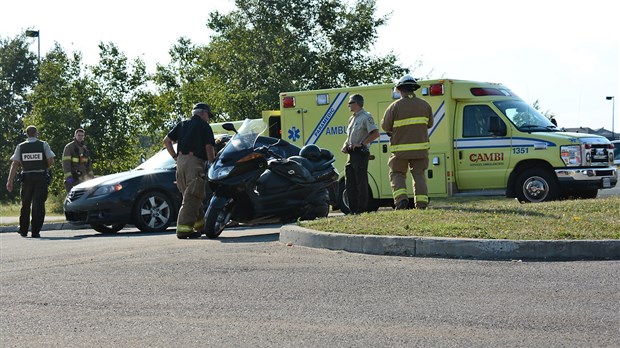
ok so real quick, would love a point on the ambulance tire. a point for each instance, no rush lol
(536, 185)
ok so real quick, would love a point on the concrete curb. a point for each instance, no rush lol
(479, 249)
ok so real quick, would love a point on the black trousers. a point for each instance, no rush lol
(356, 181)
(33, 194)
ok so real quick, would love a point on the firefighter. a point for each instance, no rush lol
(407, 121)
(35, 157)
(361, 131)
(76, 161)
(195, 145)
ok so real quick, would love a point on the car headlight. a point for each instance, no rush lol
(571, 155)
(107, 189)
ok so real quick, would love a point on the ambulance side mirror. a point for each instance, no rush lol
(496, 126)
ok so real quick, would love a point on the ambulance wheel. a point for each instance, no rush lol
(107, 229)
(216, 220)
(153, 212)
(536, 185)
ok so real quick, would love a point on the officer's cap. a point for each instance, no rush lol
(202, 106)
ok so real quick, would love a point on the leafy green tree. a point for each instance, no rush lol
(18, 75)
(266, 47)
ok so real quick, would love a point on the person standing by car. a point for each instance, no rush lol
(76, 161)
(35, 157)
(407, 120)
(361, 131)
(195, 145)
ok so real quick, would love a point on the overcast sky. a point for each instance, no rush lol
(565, 54)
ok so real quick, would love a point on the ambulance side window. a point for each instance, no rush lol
(476, 121)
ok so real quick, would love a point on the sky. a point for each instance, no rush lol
(563, 54)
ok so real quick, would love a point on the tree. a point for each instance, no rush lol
(267, 47)
(18, 75)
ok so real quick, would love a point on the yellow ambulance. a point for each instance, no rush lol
(485, 140)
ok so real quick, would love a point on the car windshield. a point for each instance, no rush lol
(161, 160)
(525, 117)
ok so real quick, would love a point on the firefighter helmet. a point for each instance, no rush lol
(408, 80)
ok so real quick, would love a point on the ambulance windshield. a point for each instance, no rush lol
(525, 117)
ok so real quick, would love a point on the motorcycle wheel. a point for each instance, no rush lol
(216, 220)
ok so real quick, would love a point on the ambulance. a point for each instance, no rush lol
(485, 141)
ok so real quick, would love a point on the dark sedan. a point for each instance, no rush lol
(146, 197)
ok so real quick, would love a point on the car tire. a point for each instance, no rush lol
(107, 229)
(536, 185)
(153, 212)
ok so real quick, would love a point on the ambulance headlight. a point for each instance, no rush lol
(571, 155)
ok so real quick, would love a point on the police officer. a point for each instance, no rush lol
(76, 161)
(35, 157)
(195, 145)
(361, 131)
(407, 120)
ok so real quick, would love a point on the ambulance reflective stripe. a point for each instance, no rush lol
(410, 121)
(327, 117)
(437, 118)
(399, 192)
(410, 147)
(480, 143)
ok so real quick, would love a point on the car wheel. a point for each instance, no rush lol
(216, 220)
(153, 212)
(536, 185)
(107, 229)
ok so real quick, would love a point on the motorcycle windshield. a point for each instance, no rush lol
(244, 139)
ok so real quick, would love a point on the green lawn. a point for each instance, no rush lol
(487, 217)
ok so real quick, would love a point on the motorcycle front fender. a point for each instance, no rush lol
(219, 202)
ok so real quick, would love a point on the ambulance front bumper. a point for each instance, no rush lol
(588, 177)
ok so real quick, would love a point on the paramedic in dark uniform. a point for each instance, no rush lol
(361, 132)
(35, 157)
(195, 145)
(408, 120)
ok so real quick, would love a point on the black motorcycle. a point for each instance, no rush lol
(256, 178)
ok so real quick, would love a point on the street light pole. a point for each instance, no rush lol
(35, 33)
(613, 99)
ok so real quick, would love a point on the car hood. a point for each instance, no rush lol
(118, 177)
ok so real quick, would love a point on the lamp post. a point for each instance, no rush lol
(35, 33)
(613, 133)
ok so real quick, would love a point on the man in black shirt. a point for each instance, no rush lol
(195, 141)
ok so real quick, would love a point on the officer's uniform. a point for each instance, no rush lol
(76, 164)
(356, 168)
(408, 120)
(33, 155)
(191, 135)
